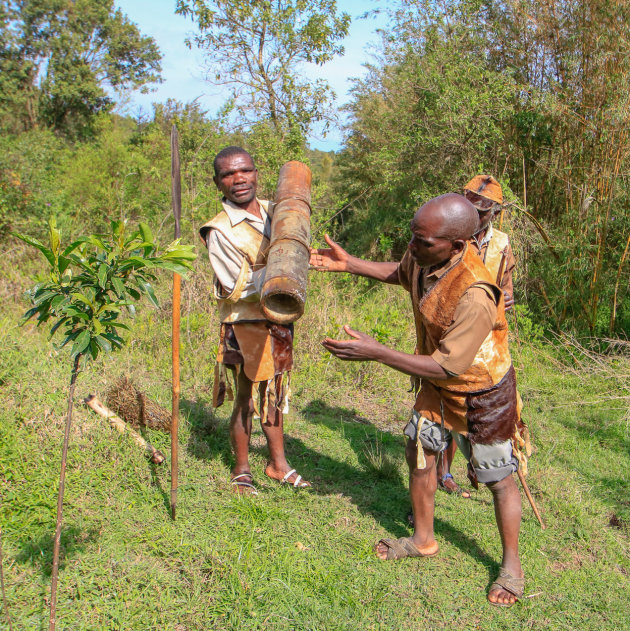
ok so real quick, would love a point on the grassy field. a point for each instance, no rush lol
(287, 559)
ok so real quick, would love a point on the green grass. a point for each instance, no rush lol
(297, 560)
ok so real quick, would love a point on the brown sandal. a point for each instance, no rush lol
(403, 548)
(516, 586)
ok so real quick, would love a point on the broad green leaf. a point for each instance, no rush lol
(98, 242)
(62, 263)
(148, 290)
(71, 336)
(40, 246)
(146, 233)
(58, 301)
(94, 348)
(104, 343)
(118, 286)
(173, 267)
(28, 315)
(55, 238)
(75, 313)
(102, 275)
(83, 299)
(179, 253)
(118, 325)
(81, 343)
(42, 297)
(73, 246)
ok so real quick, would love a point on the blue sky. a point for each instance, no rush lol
(182, 68)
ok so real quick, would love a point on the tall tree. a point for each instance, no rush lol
(61, 59)
(257, 49)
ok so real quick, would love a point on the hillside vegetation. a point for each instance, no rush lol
(536, 94)
(301, 560)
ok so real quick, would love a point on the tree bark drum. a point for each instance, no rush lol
(284, 290)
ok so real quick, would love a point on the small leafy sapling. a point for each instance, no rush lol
(89, 285)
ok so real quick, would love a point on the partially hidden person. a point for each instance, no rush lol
(254, 356)
(468, 384)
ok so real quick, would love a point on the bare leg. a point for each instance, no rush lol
(446, 459)
(507, 509)
(241, 429)
(273, 429)
(422, 487)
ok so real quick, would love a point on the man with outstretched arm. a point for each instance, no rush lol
(255, 356)
(493, 246)
(467, 379)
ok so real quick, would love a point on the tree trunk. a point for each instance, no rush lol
(62, 481)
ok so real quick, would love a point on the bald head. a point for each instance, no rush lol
(449, 216)
(441, 228)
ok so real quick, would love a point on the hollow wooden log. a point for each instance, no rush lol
(155, 456)
(284, 290)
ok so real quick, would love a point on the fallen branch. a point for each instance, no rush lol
(156, 457)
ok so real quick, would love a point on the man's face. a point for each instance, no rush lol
(427, 246)
(237, 178)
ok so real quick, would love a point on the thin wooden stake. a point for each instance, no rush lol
(62, 482)
(176, 196)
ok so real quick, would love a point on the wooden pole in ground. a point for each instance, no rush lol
(62, 482)
(176, 194)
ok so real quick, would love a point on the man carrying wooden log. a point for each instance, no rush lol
(468, 383)
(255, 356)
(493, 246)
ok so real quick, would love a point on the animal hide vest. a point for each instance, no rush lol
(480, 402)
(253, 246)
(496, 254)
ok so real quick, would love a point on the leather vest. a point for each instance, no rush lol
(253, 246)
(496, 254)
(434, 314)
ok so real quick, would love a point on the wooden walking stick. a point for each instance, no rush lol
(176, 193)
(521, 477)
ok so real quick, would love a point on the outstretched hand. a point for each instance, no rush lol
(332, 259)
(361, 348)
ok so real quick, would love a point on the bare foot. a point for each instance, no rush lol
(430, 548)
(512, 578)
(288, 476)
(243, 484)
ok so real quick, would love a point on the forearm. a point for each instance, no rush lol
(385, 272)
(414, 365)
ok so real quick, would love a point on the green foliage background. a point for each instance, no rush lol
(457, 88)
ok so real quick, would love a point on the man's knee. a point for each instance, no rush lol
(411, 455)
(244, 404)
(500, 487)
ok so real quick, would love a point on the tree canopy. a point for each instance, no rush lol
(257, 49)
(61, 60)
